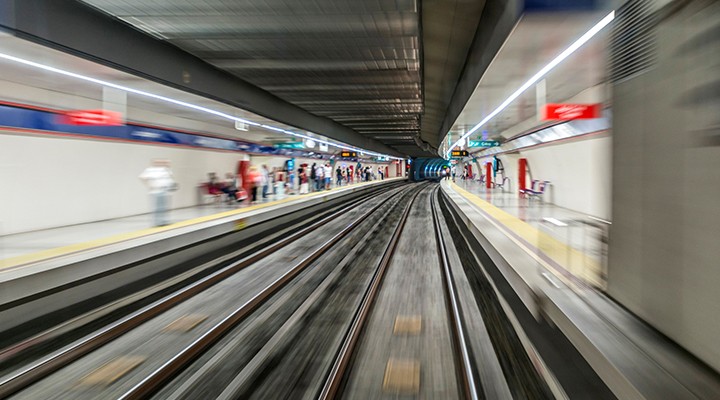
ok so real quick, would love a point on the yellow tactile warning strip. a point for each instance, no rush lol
(407, 325)
(572, 260)
(19, 261)
(402, 376)
(112, 371)
(185, 323)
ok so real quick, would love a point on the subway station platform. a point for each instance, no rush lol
(572, 243)
(32, 247)
(89, 260)
(543, 270)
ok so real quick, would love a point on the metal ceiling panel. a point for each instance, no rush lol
(355, 61)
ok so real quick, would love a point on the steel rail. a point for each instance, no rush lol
(49, 364)
(156, 379)
(463, 364)
(336, 376)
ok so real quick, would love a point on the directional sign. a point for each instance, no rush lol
(289, 145)
(484, 143)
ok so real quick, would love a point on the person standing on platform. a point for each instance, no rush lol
(328, 176)
(302, 176)
(338, 176)
(313, 178)
(381, 173)
(265, 180)
(255, 179)
(160, 181)
(319, 177)
(273, 176)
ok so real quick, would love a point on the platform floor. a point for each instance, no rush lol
(24, 244)
(573, 240)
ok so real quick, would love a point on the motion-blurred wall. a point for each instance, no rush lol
(665, 239)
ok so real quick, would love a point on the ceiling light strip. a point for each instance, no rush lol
(180, 103)
(557, 60)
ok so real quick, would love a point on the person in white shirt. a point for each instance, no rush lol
(328, 175)
(320, 176)
(265, 176)
(160, 181)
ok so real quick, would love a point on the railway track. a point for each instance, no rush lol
(343, 222)
(311, 316)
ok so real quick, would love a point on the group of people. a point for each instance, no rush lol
(261, 184)
(319, 177)
(160, 181)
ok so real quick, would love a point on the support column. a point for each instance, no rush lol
(540, 99)
(522, 171)
(488, 175)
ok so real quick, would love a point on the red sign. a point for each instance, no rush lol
(92, 117)
(572, 111)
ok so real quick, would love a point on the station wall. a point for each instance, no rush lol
(50, 181)
(580, 172)
(663, 251)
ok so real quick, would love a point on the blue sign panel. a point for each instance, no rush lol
(39, 120)
(561, 5)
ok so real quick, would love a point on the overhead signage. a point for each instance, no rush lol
(92, 117)
(459, 153)
(289, 145)
(48, 122)
(241, 126)
(484, 143)
(560, 5)
(348, 154)
(566, 112)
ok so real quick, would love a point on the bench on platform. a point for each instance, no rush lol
(536, 190)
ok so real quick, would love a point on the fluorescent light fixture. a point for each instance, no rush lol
(554, 221)
(174, 101)
(557, 60)
(604, 221)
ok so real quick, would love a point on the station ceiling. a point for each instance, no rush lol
(22, 84)
(535, 41)
(386, 69)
